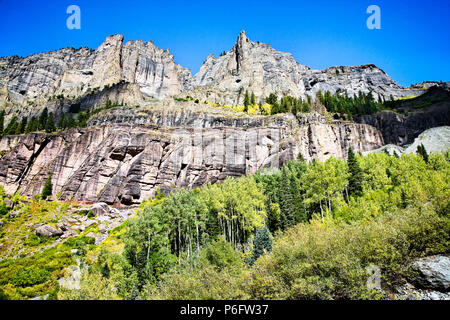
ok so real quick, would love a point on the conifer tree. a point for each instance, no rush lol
(23, 124)
(356, 176)
(47, 190)
(50, 124)
(32, 126)
(62, 122)
(2, 122)
(261, 244)
(13, 126)
(423, 152)
(246, 101)
(253, 99)
(43, 119)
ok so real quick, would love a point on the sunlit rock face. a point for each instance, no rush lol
(126, 162)
(260, 69)
(28, 84)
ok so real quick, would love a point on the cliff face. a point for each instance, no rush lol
(144, 72)
(263, 70)
(126, 163)
(413, 116)
(28, 84)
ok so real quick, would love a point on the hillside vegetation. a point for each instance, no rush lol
(307, 231)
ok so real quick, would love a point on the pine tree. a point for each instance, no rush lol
(253, 99)
(32, 126)
(246, 101)
(2, 122)
(13, 126)
(70, 121)
(356, 176)
(62, 122)
(47, 190)
(50, 124)
(423, 152)
(261, 244)
(23, 124)
(43, 119)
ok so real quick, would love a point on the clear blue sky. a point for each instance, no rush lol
(412, 46)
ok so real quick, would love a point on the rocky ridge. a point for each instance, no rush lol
(126, 162)
(136, 72)
(260, 69)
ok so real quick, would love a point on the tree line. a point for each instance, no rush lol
(47, 121)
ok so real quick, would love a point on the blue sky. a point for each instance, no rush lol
(412, 45)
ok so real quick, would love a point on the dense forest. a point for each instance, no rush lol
(306, 231)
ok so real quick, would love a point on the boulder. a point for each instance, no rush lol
(62, 226)
(69, 234)
(100, 209)
(47, 231)
(432, 273)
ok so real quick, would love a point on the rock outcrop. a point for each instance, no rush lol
(430, 280)
(33, 82)
(135, 72)
(413, 116)
(260, 69)
(125, 163)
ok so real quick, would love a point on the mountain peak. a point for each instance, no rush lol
(242, 39)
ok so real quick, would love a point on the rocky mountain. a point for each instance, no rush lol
(153, 140)
(141, 71)
(28, 84)
(126, 162)
(260, 69)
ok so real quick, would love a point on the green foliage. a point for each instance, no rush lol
(32, 125)
(50, 123)
(2, 122)
(36, 275)
(246, 101)
(261, 244)
(284, 197)
(47, 189)
(43, 119)
(356, 177)
(181, 224)
(423, 152)
(222, 254)
(13, 127)
(343, 104)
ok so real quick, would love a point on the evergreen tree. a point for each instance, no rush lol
(23, 124)
(32, 126)
(319, 96)
(253, 99)
(246, 101)
(43, 119)
(47, 190)
(50, 124)
(70, 122)
(62, 122)
(423, 152)
(13, 127)
(261, 244)
(356, 175)
(2, 122)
